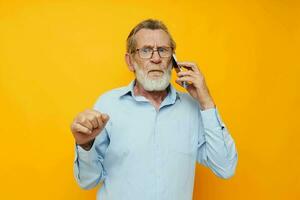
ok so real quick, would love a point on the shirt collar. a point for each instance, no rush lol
(172, 92)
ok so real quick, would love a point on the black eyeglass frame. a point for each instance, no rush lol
(153, 50)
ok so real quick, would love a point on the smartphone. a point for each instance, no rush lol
(178, 69)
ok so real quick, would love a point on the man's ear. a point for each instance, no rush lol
(129, 62)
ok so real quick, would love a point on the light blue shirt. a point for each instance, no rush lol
(147, 154)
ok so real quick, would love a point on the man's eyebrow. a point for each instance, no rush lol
(151, 46)
(147, 46)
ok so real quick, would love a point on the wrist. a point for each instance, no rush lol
(87, 146)
(204, 105)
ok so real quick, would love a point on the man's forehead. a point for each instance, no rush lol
(148, 37)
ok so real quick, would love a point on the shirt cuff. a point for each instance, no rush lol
(85, 155)
(211, 118)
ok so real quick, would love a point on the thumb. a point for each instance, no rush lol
(104, 118)
(178, 82)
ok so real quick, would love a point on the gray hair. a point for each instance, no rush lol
(147, 24)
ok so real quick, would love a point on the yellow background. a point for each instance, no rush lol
(57, 57)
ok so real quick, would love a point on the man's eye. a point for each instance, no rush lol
(162, 50)
(146, 50)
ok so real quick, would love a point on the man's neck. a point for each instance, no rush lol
(155, 97)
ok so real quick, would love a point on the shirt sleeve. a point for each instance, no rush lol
(88, 165)
(216, 147)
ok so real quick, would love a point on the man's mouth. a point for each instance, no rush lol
(156, 71)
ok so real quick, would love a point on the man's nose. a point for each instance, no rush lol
(155, 57)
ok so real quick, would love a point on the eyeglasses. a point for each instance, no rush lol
(147, 52)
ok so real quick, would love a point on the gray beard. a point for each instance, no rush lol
(153, 84)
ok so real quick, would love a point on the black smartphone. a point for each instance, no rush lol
(178, 69)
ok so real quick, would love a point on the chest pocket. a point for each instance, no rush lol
(183, 138)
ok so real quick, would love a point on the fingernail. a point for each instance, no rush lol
(105, 117)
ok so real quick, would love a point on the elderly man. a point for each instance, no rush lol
(144, 140)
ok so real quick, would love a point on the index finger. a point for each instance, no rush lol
(102, 118)
(98, 117)
(189, 65)
(96, 114)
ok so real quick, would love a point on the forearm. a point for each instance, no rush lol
(218, 150)
(88, 168)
